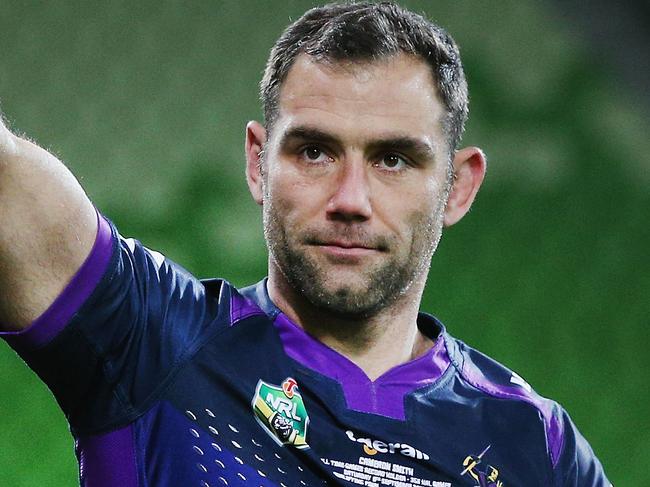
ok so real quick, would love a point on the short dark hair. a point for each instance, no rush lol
(366, 31)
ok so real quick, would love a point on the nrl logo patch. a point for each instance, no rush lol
(281, 412)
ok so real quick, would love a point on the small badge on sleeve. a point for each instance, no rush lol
(485, 474)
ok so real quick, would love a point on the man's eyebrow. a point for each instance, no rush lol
(310, 134)
(409, 145)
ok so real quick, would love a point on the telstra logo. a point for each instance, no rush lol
(372, 447)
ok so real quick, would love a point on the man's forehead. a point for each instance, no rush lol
(308, 74)
(390, 98)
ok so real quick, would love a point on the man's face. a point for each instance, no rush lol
(355, 182)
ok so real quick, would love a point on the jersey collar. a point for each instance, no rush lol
(385, 395)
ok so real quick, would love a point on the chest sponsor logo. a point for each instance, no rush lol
(486, 475)
(281, 412)
(373, 446)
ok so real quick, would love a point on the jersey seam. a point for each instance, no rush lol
(132, 413)
(98, 350)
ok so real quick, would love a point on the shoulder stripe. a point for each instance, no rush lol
(242, 308)
(552, 421)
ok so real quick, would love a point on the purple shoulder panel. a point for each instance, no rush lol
(241, 308)
(108, 460)
(64, 307)
(553, 422)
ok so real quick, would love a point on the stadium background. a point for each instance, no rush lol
(548, 273)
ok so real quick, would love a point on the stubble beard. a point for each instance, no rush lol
(383, 284)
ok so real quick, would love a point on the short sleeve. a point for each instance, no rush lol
(112, 340)
(577, 465)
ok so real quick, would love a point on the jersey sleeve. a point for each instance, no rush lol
(115, 335)
(577, 465)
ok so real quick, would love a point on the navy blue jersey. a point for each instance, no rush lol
(171, 381)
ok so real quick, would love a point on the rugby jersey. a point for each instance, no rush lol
(167, 380)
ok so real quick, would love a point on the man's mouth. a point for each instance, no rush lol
(348, 245)
(346, 252)
(347, 249)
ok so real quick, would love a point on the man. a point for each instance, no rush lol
(325, 373)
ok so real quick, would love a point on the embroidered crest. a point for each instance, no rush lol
(281, 412)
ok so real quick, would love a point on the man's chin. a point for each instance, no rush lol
(346, 301)
(346, 291)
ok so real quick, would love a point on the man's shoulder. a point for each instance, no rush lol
(488, 374)
(491, 378)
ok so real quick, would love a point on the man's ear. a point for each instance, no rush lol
(255, 140)
(469, 170)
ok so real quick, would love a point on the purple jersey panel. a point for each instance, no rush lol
(108, 460)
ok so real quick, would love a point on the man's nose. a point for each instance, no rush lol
(350, 200)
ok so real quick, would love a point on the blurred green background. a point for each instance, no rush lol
(549, 273)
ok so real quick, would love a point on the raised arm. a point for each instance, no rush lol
(47, 228)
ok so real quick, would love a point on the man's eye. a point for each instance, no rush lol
(314, 154)
(392, 162)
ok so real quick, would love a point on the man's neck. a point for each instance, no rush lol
(375, 344)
